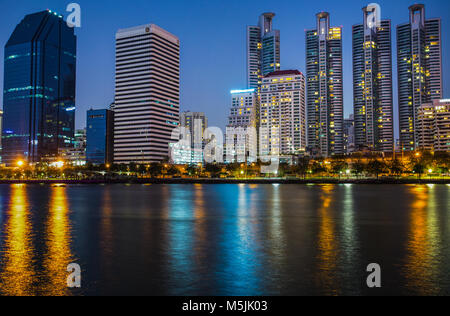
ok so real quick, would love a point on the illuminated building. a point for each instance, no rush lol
(99, 136)
(419, 61)
(433, 126)
(39, 88)
(325, 97)
(349, 135)
(372, 85)
(263, 50)
(241, 137)
(147, 94)
(196, 123)
(75, 155)
(283, 114)
(193, 126)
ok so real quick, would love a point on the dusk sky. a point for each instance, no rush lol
(213, 42)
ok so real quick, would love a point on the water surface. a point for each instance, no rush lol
(224, 239)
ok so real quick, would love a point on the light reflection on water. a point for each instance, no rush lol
(424, 246)
(224, 239)
(18, 272)
(327, 242)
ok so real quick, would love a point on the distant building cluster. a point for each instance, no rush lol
(307, 118)
(281, 112)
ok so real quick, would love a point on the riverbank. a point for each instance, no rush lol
(234, 181)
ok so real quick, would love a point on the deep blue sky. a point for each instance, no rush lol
(212, 34)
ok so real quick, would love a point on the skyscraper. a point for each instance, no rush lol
(419, 61)
(241, 133)
(372, 84)
(325, 105)
(100, 132)
(147, 98)
(283, 113)
(39, 88)
(263, 50)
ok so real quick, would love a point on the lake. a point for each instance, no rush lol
(224, 239)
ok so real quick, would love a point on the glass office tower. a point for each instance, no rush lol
(325, 92)
(39, 89)
(419, 61)
(99, 136)
(372, 85)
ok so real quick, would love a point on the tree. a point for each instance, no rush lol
(358, 168)
(318, 168)
(338, 167)
(155, 169)
(172, 171)
(142, 169)
(396, 167)
(192, 170)
(132, 167)
(213, 169)
(376, 167)
(419, 169)
(302, 167)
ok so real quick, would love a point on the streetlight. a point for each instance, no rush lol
(20, 163)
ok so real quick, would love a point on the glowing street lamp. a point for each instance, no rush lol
(20, 163)
(59, 164)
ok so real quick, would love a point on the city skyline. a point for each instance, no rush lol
(218, 112)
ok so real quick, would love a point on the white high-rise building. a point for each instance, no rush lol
(147, 95)
(283, 114)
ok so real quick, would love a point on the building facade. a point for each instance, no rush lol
(195, 124)
(241, 130)
(372, 85)
(147, 94)
(283, 114)
(190, 150)
(75, 155)
(39, 89)
(349, 135)
(433, 126)
(263, 50)
(419, 62)
(325, 94)
(100, 133)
